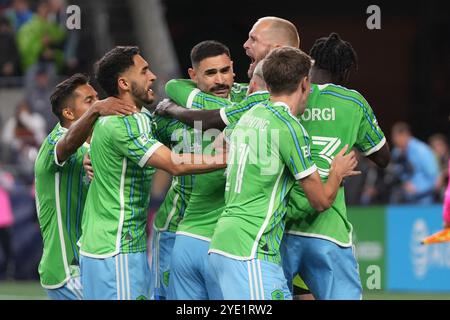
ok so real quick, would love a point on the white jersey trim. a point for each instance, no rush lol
(223, 116)
(122, 204)
(57, 162)
(228, 255)
(148, 154)
(192, 235)
(321, 236)
(376, 148)
(56, 286)
(191, 97)
(170, 216)
(99, 256)
(305, 173)
(268, 214)
(60, 227)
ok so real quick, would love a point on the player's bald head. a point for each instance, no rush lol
(280, 32)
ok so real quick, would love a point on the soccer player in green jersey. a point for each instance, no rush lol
(269, 153)
(316, 245)
(171, 133)
(211, 72)
(124, 154)
(61, 184)
(266, 34)
(229, 116)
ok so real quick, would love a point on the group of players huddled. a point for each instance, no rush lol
(256, 203)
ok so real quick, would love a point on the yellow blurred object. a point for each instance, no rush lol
(438, 237)
(298, 282)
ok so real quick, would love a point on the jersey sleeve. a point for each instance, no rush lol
(172, 133)
(185, 93)
(181, 90)
(162, 128)
(238, 92)
(133, 138)
(54, 139)
(52, 162)
(370, 136)
(295, 150)
(232, 113)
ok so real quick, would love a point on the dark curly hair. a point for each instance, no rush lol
(334, 54)
(112, 65)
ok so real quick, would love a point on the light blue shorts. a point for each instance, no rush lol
(162, 245)
(330, 271)
(189, 278)
(72, 290)
(125, 276)
(249, 280)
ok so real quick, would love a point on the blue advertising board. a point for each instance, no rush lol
(412, 266)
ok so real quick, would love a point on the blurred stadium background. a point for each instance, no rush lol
(403, 71)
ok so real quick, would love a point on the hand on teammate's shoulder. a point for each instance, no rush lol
(114, 106)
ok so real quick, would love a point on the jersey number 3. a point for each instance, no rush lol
(328, 147)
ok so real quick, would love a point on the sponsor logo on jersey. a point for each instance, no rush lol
(143, 139)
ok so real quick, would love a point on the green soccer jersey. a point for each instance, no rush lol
(115, 215)
(176, 136)
(61, 190)
(231, 114)
(334, 116)
(201, 216)
(269, 151)
(185, 93)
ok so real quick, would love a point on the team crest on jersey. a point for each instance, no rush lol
(277, 295)
(143, 139)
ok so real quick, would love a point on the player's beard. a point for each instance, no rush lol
(140, 94)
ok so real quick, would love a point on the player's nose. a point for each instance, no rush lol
(151, 76)
(246, 44)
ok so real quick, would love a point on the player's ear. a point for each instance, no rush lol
(68, 114)
(304, 88)
(123, 84)
(192, 74)
(275, 45)
(232, 70)
(306, 84)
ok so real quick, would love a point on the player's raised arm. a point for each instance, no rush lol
(70, 105)
(180, 90)
(183, 92)
(321, 196)
(188, 163)
(209, 118)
